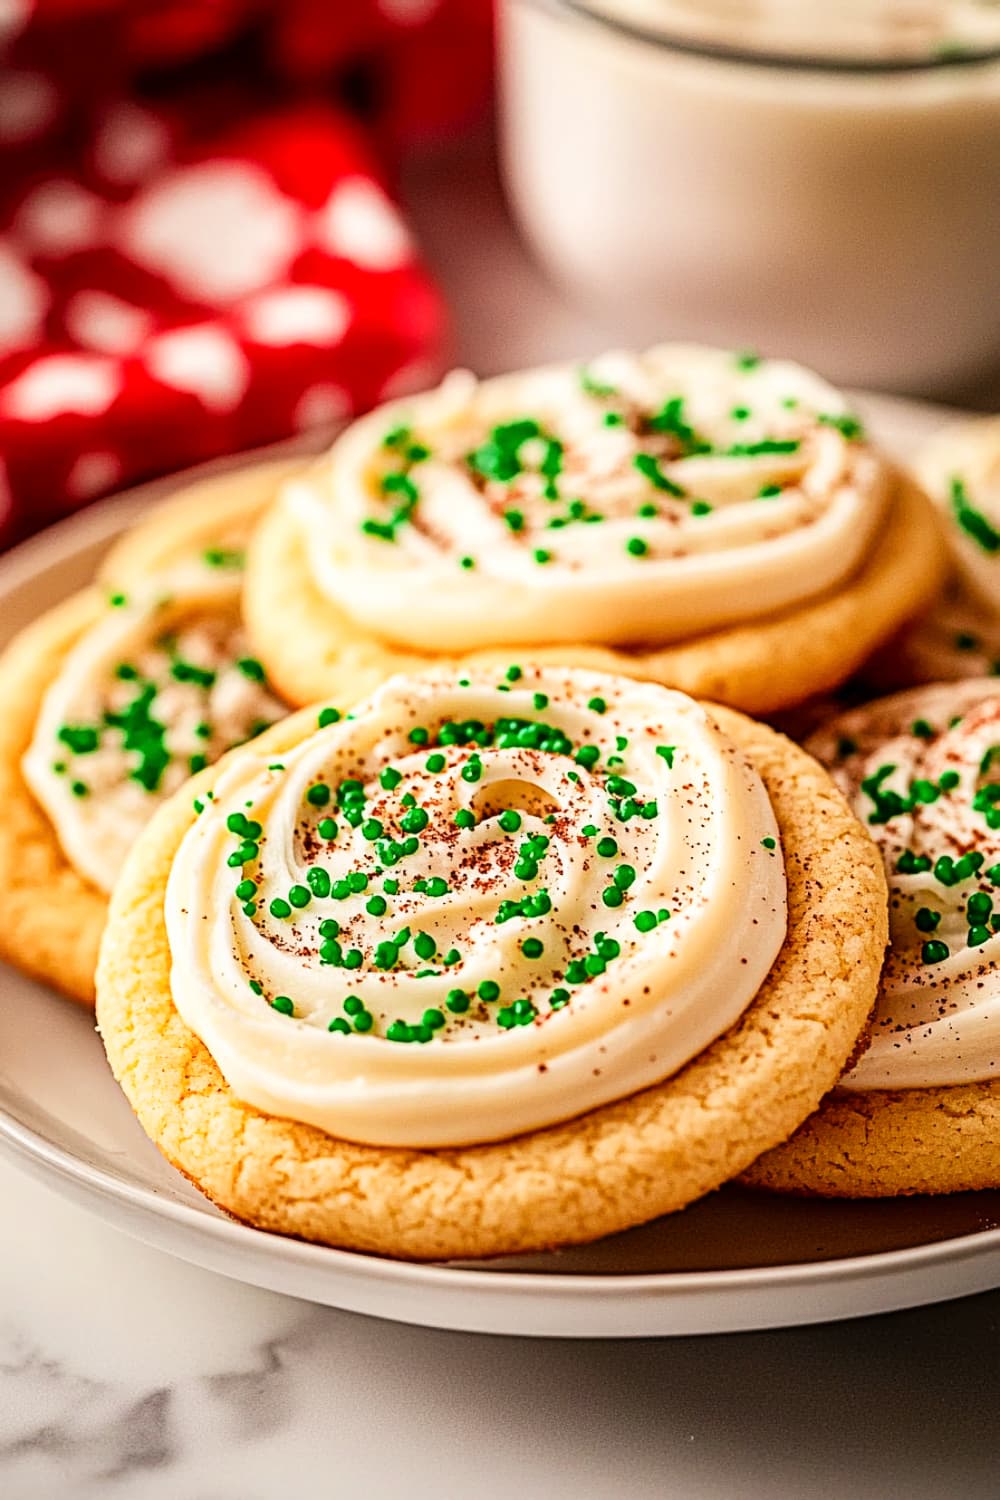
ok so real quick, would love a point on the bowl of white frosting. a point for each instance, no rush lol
(821, 182)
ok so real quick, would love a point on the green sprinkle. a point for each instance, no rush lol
(934, 952)
(541, 556)
(926, 919)
(636, 546)
(972, 521)
(390, 778)
(457, 1002)
(649, 467)
(283, 1004)
(849, 426)
(510, 821)
(117, 601)
(376, 906)
(514, 673)
(246, 890)
(432, 1018)
(326, 828)
(318, 881)
(434, 763)
(328, 716)
(624, 876)
(464, 818)
(514, 519)
(746, 359)
(371, 829)
(418, 735)
(532, 948)
(588, 756)
(922, 730)
(666, 752)
(540, 700)
(769, 842)
(488, 991)
(424, 945)
(467, 563)
(598, 705)
(280, 908)
(612, 896)
(948, 780)
(329, 927)
(701, 508)
(769, 491)
(645, 921)
(251, 668)
(318, 795)
(300, 896)
(607, 848)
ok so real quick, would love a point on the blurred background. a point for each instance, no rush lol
(227, 222)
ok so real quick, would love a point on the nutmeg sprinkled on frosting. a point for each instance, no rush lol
(922, 770)
(475, 906)
(643, 498)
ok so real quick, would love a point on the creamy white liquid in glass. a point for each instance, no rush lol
(817, 181)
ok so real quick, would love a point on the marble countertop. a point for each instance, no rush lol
(124, 1373)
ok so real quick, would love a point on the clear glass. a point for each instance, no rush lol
(841, 208)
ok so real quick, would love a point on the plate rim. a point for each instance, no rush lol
(98, 524)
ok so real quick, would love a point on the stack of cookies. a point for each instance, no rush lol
(448, 902)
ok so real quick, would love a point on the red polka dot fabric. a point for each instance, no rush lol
(199, 251)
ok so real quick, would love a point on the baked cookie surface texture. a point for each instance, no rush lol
(498, 960)
(919, 1109)
(690, 516)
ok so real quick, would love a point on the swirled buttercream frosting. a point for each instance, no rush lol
(475, 906)
(922, 771)
(643, 498)
(155, 690)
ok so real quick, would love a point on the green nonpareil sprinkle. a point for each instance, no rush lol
(597, 705)
(701, 508)
(648, 466)
(467, 562)
(283, 1004)
(318, 794)
(280, 908)
(540, 700)
(607, 848)
(921, 730)
(418, 735)
(327, 828)
(926, 919)
(251, 668)
(637, 546)
(514, 520)
(464, 818)
(328, 716)
(541, 556)
(849, 426)
(746, 359)
(514, 673)
(117, 601)
(769, 491)
(434, 763)
(934, 952)
(769, 842)
(666, 752)
(510, 821)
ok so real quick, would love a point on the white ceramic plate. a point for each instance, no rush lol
(734, 1261)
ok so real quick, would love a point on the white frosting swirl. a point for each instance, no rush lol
(649, 498)
(558, 937)
(159, 687)
(922, 771)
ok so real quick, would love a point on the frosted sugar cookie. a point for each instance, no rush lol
(960, 637)
(498, 961)
(919, 1110)
(107, 703)
(703, 519)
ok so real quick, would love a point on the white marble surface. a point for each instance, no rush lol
(124, 1373)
